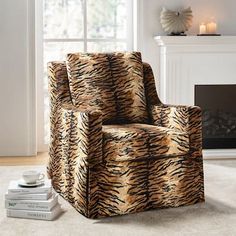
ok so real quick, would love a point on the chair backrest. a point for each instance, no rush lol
(110, 82)
(118, 84)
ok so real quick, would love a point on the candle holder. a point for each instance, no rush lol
(208, 29)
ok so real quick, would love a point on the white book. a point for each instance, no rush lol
(37, 205)
(39, 215)
(31, 196)
(15, 188)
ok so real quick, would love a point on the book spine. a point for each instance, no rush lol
(39, 215)
(29, 190)
(31, 205)
(29, 214)
(27, 196)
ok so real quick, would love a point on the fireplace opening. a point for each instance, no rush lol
(218, 104)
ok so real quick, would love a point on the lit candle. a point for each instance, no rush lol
(202, 28)
(211, 27)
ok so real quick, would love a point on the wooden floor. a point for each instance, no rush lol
(40, 159)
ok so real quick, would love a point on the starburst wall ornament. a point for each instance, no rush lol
(176, 22)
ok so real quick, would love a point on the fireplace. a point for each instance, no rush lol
(189, 61)
(218, 115)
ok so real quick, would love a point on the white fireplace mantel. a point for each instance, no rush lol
(195, 40)
(186, 61)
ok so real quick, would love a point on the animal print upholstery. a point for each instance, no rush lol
(149, 86)
(132, 142)
(110, 82)
(180, 118)
(106, 169)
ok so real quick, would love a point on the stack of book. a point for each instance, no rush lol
(32, 202)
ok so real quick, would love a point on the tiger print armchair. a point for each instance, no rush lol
(115, 148)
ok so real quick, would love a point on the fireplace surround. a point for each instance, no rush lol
(189, 61)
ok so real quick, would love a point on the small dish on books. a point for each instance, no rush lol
(22, 183)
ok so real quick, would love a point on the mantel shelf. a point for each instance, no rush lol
(194, 40)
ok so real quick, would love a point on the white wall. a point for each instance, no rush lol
(17, 121)
(222, 10)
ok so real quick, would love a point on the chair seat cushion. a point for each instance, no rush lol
(131, 142)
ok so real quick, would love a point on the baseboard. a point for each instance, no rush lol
(219, 154)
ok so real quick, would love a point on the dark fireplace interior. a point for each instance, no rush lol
(218, 103)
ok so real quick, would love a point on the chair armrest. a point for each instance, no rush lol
(80, 134)
(182, 118)
(76, 155)
(85, 131)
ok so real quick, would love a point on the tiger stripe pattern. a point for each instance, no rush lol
(139, 141)
(59, 94)
(149, 85)
(109, 82)
(134, 186)
(84, 154)
(90, 84)
(104, 167)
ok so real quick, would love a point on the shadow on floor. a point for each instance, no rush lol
(211, 208)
